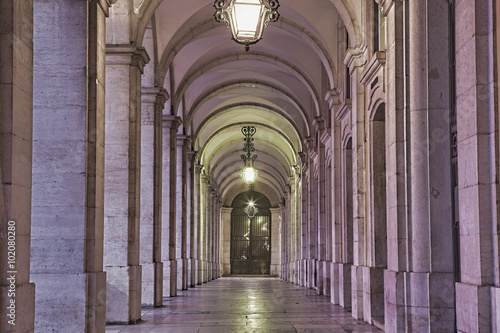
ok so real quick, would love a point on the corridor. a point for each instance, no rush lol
(243, 304)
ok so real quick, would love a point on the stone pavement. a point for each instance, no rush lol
(246, 304)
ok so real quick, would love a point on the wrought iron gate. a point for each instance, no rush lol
(250, 242)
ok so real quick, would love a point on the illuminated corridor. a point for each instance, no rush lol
(236, 304)
(151, 150)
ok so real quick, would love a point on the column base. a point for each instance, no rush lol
(123, 294)
(373, 295)
(148, 286)
(327, 278)
(335, 283)
(319, 276)
(394, 295)
(158, 297)
(311, 273)
(303, 272)
(200, 272)
(357, 292)
(180, 273)
(194, 272)
(431, 302)
(173, 278)
(345, 289)
(475, 307)
(184, 275)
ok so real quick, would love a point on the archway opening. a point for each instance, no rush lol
(251, 234)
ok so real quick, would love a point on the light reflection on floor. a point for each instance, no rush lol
(240, 304)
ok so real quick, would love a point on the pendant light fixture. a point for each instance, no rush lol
(246, 18)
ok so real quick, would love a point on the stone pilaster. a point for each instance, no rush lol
(304, 215)
(193, 218)
(477, 294)
(182, 227)
(16, 145)
(430, 305)
(199, 223)
(397, 164)
(226, 241)
(68, 162)
(153, 100)
(354, 60)
(276, 220)
(169, 201)
(124, 66)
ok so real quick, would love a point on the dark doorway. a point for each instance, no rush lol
(251, 234)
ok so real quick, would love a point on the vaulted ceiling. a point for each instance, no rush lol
(216, 87)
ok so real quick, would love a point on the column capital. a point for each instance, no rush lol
(354, 57)
(127, 55)
(319, 123)
(192, 154)
(158, 95)
(183, 140)
(172, 122)
(386, 5)
(332, 98)
(104, 4)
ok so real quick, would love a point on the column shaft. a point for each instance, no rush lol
(431, 197)
(68, 163)
(16, 120)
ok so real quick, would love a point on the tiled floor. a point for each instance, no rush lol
(242, 304)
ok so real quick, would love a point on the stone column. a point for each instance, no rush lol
(182, 204)
(430, 301)
(199, 223)
(213, 233)
(124, 66)
(276, 220)
(193, 218)
(226, 241)
(478, 293)
(312, 218)
(68, 161)
(324, 205)
(169, 201)
(206, 193)
(354, 60)
(397, 179)
(16, 123)
(304, 207)
(337, 212)
(153, 100)
(283, 254)
(297, 223)
(219, 239)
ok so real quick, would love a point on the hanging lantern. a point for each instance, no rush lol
(246, 18)
(249, 173)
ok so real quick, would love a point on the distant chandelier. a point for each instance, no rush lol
(246, 18)
(251, 210)
(249, 173)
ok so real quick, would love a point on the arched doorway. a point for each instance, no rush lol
(251, 234)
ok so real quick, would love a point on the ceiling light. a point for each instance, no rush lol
(249, 173)
(246, 18)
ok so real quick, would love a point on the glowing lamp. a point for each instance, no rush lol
(249, 173)
(246, 18)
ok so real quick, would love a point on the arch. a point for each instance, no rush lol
(259, 106)
(205, 68)
(208, 95)
(251, 234)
